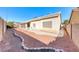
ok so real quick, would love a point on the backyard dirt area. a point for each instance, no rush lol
(11, 43)
(64, 43)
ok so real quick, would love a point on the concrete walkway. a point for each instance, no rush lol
(11, 43)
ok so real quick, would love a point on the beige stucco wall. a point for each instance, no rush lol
(55, 24)
(38, 25)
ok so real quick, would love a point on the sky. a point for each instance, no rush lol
(22, 14)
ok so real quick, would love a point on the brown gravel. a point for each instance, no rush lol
(64, 43)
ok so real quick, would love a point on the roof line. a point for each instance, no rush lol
(45, 16)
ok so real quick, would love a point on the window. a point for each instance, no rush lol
(47, 24)
(34, 25)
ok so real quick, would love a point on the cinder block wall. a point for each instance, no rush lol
(68, 27)
(2, 28)
(74, 21)
(75, 34)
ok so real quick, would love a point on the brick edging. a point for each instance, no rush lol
(22, 40)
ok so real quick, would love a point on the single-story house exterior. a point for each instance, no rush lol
(23, 25)
(17, 24)
(2, 28)
(49, 23)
